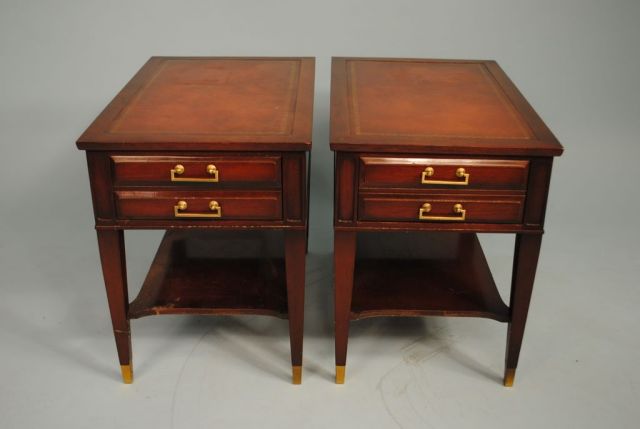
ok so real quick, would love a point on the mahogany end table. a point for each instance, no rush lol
(215, 152)
(427, 154)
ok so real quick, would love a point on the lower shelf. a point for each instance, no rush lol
(422, 274)
(215, 272)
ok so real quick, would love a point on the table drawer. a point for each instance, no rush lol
(218, 205)
(425, 173)
(441, 208)
(216, 171)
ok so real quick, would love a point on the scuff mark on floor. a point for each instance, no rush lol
(180, 375)
(404, 383)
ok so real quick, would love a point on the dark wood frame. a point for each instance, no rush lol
(280, 293)
(349, 227)
(110, 229)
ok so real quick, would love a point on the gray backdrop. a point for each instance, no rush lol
(578, 64)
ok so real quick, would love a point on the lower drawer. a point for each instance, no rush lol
(218, 205)
(441, 208)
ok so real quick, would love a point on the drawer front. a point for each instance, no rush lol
(430, 173)
(214, 171)
(441, 208)
(203, 205)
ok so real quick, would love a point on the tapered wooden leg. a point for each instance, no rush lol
(295, 255)
(525, 261)
(343, 264)
(114, 271)
(306, 248)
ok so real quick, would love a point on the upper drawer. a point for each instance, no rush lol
(421, 173)
(219, 171)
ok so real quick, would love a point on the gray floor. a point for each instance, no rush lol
(578, 64)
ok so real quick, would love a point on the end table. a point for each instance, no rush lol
(215, 152)
(427, 154)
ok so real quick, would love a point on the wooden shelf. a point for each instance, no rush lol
(423, 274)
(215, 272)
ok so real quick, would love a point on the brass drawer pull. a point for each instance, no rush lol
(460, 172)
(457, 208)
(178, 170)
(178, 210)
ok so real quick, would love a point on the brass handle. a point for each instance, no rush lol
(460, 172)
(181, 206)
(178, 170)
(457, 208)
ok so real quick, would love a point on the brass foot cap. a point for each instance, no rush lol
(509, 375)
(127, 373)
(296, 377)
(340, 370)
